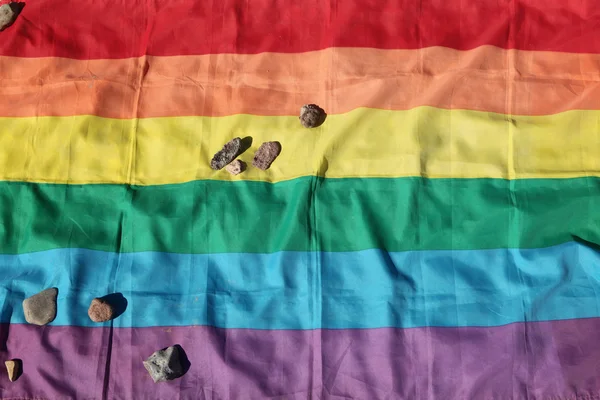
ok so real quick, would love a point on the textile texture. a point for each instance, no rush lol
(436, 238)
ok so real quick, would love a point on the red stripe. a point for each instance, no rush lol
(101, 29)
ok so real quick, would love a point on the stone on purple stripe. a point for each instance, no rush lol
(165, 365)
(13, 367)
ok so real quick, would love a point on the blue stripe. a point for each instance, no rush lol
(298, 290)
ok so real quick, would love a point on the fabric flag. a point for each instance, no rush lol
(436, 238)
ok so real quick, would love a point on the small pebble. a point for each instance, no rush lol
(100, 311)
(165, 365)
(236, 167)
(8, 14)
(266, 154)
(13, 367)
(40, 309)
(227, 154)
(311, 116)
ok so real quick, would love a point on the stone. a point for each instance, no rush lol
(266, 154)
(236, 167)
(8, 14)
(165, 365)
(100, 311)
(227, 154)
(13, 367)
(40, 309)
(311, 116)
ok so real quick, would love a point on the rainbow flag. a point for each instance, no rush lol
(436, 238)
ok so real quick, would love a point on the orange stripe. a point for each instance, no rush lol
(339, 79)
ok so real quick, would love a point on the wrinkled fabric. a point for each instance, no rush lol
(448, 363)
(436, 238)
(375, 288)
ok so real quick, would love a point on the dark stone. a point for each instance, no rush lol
(166, 364)
(227, 154)
(40, 309)
(266, 154)
(312, 116)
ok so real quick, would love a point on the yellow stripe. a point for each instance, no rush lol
(425, 141)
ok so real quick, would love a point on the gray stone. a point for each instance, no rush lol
(8, 14)
(227, 154)
(236, 167)
(40, 309)
(165, 365)
(311, 116)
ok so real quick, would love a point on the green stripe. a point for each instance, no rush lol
(340, 215)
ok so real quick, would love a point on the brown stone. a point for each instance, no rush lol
(13, 367)
(40, 309)
(311, 116)
(236, 167)
(266, 154)
(100, 311)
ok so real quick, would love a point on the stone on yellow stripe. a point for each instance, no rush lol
(364, 143)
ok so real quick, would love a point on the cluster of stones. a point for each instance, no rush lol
(165, 364)
(40, 309)
(311, 116)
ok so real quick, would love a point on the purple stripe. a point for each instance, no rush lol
(538, 360)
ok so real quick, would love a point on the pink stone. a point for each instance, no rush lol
(236, 167)
(100, 311)
(266, 154)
